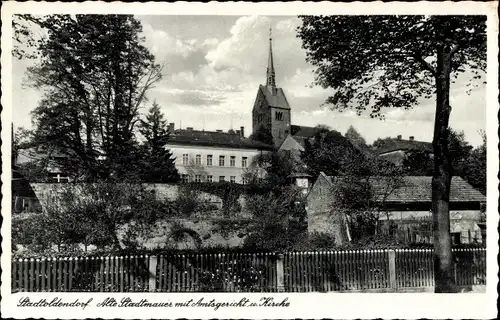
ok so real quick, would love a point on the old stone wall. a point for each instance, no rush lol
(197, 229)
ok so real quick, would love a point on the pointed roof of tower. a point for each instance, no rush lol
(274, 96)
(270, 80)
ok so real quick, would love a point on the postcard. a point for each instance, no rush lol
(249, 160)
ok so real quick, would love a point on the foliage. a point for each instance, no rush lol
(157, 163)
(316, 241)
(35, 171)
(188, 200)
(178, 233)
(382, 61)
(270, 171)
(271, 215)
(418, 163)
(356, 196)
(466, 161)
(323, 153)
(91, 214)
(357, 140)
(95, 73)
(377, 62)
(263, 135)
(228, 192)
(353, 135)
(381, 143)
(475, 172)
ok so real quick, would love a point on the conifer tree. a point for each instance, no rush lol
(157, 161)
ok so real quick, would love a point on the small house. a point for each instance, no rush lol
(406, 206)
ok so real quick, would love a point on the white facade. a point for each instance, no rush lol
(211, 164)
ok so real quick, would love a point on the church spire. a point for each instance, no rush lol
(271, 81)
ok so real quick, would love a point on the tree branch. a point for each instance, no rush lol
(427, 65)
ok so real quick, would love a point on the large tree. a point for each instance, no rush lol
(325, 150)
(375, 62)
(95, 72)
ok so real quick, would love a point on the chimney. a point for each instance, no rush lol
(189, 128)
(399, 137)
(242, 131)
(412, 138)
(238, 132)
(171, 127)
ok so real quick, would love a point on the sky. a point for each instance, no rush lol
(213, 66)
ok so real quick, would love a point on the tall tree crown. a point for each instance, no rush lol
(385, 61)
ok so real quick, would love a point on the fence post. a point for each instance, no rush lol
(153, 260)
(280, 275)
(392, 269)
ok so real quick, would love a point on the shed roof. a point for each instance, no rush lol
(419, 189)
(405, 145)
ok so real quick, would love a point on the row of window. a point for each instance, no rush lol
(209, 178)
(209, 162)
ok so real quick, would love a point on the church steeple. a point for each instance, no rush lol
(271, 81)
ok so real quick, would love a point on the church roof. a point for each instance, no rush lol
(215, 139)
(303, 131)
(275, 100)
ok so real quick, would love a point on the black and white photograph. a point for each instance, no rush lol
(248, 154)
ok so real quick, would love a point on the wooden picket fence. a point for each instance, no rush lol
(336, 270)
(324, 271)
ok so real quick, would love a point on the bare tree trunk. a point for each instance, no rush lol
(441, 180)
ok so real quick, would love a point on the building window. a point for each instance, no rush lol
(244, 180)
(222, 179)
(185, 178)
(232, 179)
(198, 160)
(244, 162)
(259, 117)
(221, 161)
(456, 237)
(185, 158)
(278, 115)
(197, 178)
(209, 178)
(209, 160)
(232, 161)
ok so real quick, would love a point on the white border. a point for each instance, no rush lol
(311, 305)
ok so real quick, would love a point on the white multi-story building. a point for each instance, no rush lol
(213, 156)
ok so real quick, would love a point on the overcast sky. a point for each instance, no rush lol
(214, 64)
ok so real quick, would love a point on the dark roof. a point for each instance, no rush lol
(404, 145)
(20, 186)
(303, 131)
(419, 189)
(218, 139)
(275, 100)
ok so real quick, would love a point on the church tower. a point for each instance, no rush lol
(271, 111)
